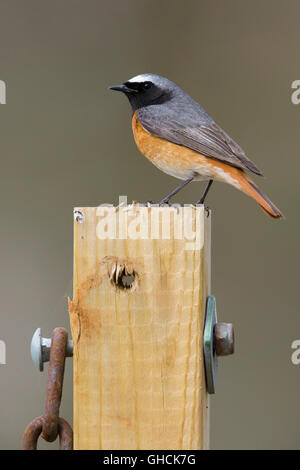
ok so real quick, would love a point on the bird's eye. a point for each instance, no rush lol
(147, 85)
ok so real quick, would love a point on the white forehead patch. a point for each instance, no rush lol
(142, 78)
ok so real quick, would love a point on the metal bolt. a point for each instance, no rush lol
(40, 349)
(224, 339)
(218, 340)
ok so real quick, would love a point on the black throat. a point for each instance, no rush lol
(140, 97)
(138, 102)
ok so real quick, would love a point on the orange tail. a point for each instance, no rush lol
(250, 188)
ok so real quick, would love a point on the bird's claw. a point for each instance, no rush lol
(163, 203)
(206, 208)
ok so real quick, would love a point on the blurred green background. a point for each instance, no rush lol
(66, 141)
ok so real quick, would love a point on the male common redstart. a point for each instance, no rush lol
(176, 134)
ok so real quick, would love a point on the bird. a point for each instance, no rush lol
(177, 135)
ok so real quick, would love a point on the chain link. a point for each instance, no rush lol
(50, 425)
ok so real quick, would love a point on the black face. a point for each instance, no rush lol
(139, 87)
(141, 94)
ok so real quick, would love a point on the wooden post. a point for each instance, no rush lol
(140, 286)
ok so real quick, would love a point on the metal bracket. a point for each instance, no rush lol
(218, 340)
(40, 349)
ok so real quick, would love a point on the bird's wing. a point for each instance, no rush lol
(203, 136)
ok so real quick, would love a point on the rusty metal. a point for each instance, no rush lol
(34, 430)
(50, 425)
(224, 339)
(54, 385)
(32, 433)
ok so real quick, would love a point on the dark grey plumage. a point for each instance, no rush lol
(166, 111)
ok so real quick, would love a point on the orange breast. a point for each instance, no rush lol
(171, 158)
(180, 161)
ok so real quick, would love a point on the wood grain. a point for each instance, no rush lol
(138, 364)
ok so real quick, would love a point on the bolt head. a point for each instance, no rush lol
(224, 339)
(36, 349)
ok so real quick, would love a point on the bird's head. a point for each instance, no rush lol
(147, 89)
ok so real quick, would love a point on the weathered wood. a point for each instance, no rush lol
(139, 378)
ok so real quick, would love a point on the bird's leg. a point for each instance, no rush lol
(166, 199)
(202, 199)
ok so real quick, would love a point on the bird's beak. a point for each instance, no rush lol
(122, 88)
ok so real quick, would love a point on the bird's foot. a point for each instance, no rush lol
(207, 210)
(200, 201)
(164, 201)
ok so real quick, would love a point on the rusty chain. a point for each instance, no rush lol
(50, 425)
